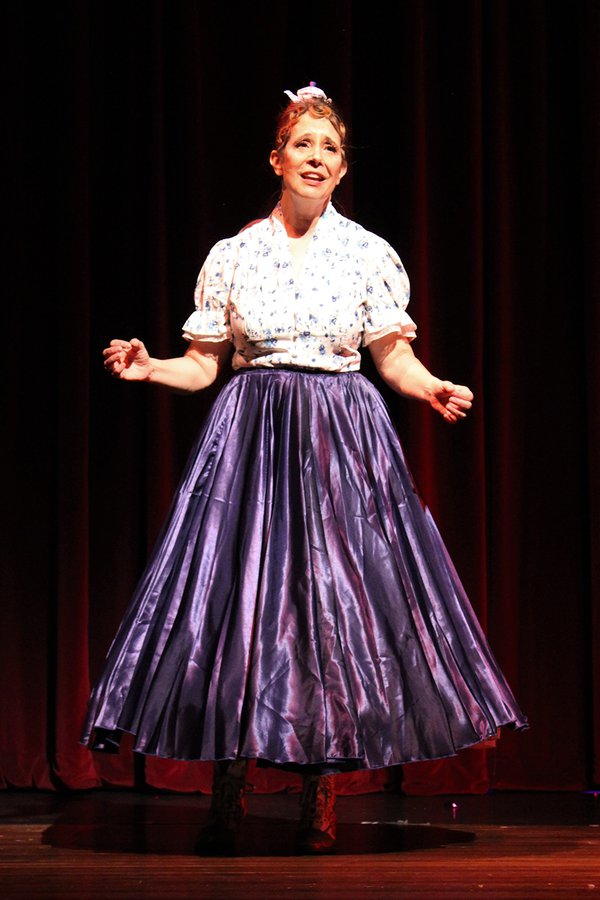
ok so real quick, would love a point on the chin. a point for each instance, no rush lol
(320, 193)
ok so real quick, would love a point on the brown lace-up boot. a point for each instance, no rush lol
(316, 833)
(227, 808)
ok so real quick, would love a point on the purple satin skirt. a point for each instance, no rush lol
(299, 607)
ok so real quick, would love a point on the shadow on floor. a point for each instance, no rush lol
(258, 836)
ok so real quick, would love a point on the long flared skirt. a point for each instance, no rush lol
(300, 606)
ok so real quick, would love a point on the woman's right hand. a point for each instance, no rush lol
(128, 360)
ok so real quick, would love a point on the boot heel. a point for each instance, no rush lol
(318, 820)
(227, 809)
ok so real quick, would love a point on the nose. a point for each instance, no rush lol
(316, 156)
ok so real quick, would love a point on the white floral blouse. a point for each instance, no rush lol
(352, 289)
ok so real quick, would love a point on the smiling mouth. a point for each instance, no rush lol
(312, 177)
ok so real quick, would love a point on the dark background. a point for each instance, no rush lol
(138, 134)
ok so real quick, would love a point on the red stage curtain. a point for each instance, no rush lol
(136, 138)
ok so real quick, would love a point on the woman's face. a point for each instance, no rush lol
(311, 164)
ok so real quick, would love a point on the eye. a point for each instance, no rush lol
(332, 148)
(301, 143)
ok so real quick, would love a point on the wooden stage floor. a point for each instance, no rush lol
(116, 844)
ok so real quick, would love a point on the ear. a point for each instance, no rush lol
(343, 171)
(275, 162)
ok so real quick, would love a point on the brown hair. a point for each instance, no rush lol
(288, 117)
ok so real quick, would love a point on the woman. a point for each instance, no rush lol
(300, 607)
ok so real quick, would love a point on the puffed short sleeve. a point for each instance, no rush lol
(388, 293)
(210, 320)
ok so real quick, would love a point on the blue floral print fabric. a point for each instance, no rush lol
(352, 289)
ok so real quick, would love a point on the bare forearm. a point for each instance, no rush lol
(182, 373)
(197, 369)
(403, 372)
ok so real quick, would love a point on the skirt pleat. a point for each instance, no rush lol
(300, 606)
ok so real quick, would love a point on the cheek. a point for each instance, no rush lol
(291, 158)
(290, 168)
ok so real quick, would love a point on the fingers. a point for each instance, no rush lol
(463, 392)
(455, 400)
(448, 387)
(459, 406)
(459, 399)
(453, 413)
(116, 346)
(115, 365)
(133, 344)
(456, 408)
(115, 350)
(449, 413)
(115, 357)
(119, 355)
(458, 392)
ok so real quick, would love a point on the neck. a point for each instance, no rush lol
(300, 216)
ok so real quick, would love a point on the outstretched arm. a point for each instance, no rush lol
(195, 370)
(401, 370)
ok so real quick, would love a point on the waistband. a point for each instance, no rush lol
(266, 370)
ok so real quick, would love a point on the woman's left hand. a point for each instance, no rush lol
(452, 401)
